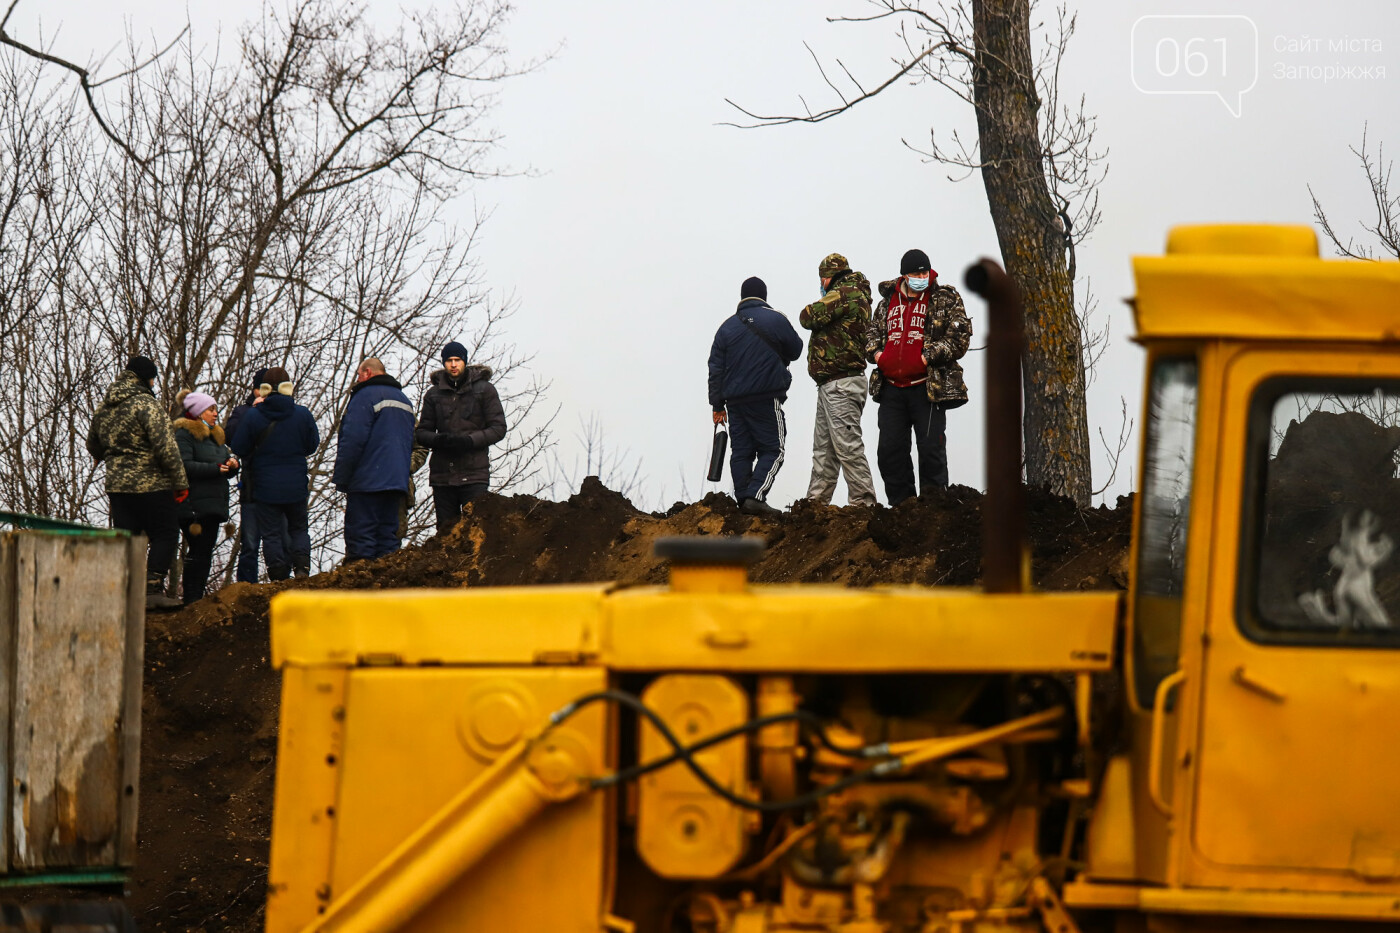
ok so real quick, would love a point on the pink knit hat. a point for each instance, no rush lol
(197, 402)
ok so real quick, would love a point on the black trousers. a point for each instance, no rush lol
(757, 436)
(449, 500)
(199, 555)
(155, 515)
(902, 410)
(292, 516)
(371, 524)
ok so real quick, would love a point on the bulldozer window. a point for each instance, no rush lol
(1166, 507)
(1318, 557)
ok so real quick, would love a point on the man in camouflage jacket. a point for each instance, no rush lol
(836, 362)
(917, 335)
(145, 479)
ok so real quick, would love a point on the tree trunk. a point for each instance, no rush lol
(1032, 241)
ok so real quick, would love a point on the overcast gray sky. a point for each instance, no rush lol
(626, 246)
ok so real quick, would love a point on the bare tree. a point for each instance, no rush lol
(1384, 227)
(617, 469)
(284, 208)
(1041, 170)
(49, 206)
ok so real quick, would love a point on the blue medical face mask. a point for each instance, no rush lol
(917, 284)
(823, 289)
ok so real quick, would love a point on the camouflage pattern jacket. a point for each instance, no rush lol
(133, 436)
(947, 332)
(839, 323)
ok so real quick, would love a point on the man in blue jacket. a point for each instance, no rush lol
(749, 380)
(273, 440)
(250, 535)
(372, 461)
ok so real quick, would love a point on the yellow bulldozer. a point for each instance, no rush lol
(1212, 750)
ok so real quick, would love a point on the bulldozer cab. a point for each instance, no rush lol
(1263, 654)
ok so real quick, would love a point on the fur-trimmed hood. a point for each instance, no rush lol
(473, 373)
(199, 429)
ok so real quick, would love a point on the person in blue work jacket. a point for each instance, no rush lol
(372, 461)
(749, 380)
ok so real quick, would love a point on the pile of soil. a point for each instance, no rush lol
(210, 710)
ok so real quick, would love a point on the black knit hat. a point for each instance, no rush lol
(916, 260)
(753, 287)
(144, 369)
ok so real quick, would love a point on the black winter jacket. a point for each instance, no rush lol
(461, 418)
(743, 365)
(202, 449)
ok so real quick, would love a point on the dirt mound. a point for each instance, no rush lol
(1334, 472)
(210, 726)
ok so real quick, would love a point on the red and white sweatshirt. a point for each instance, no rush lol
(902, 360)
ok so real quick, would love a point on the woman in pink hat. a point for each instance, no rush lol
(210, 466)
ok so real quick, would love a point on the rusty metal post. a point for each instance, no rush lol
(1005, 567)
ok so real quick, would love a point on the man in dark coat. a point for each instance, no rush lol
(462, 416)
(145, 479)
(273, 440)
(372, 461)
(749, 380)
(249, 534)
(917, 335)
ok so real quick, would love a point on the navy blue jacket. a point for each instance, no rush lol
(235, 416)
(276, 471)
(742, 365)
(376, 438)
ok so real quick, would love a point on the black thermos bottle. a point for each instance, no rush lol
(717, 455)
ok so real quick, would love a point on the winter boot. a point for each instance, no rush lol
(756, 506)
(155, 594)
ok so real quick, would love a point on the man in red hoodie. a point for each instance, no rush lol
(917, 335)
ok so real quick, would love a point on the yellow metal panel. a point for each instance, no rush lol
(1244, 240)
(829, 629)
(683, 829)
(765, 628)
(1112, 843)
(502, 625)
(1091, 896)
(303, 817)
(1266, 298)
(1292, 904)
(1315, 756)
(415, 737)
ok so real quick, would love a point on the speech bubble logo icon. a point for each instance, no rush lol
(1184, 54)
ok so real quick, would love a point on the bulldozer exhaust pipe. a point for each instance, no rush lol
(1005, 567)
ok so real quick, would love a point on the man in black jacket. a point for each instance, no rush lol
(749, 380)
(461, 417)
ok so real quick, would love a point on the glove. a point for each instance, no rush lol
(181, 495)
(455, 442)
